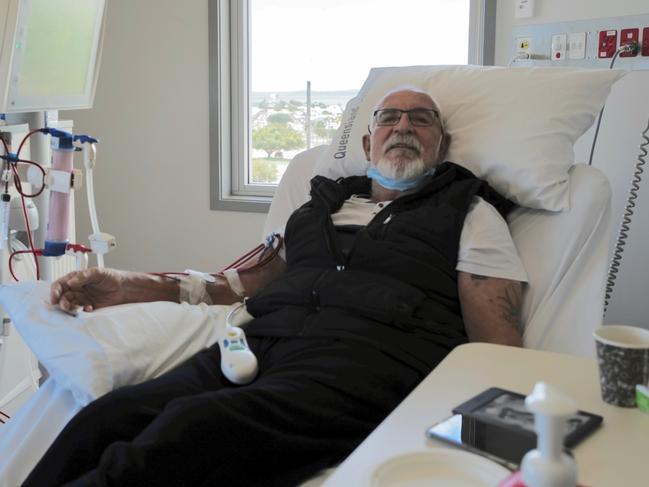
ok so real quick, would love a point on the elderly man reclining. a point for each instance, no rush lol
(383, 276)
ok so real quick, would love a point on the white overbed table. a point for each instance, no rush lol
(615, 454)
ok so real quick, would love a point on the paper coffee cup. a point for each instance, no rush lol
(623, 357)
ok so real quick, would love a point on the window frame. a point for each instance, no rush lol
(229, 98)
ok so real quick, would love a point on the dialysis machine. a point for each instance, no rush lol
(49, 61)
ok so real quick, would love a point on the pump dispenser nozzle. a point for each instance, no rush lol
(547, 465)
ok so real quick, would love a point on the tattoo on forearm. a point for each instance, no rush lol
(478, 277)
(511, 308)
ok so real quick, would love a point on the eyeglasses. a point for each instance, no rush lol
(419, 117)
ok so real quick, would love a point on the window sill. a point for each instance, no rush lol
(250, 204)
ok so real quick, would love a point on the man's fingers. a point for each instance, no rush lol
(68, 302)
(55, 292)
(80, 279)
(72, 290)
(85, 278)
(61, 286)
(71, 300)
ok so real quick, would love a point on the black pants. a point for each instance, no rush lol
(313, 402)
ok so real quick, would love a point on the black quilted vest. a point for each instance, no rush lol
(395, 288)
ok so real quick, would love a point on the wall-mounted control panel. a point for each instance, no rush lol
(607, 43)
(586, 43)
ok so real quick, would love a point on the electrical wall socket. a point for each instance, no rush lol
(523, 45)
(559, 44)
(577, 45)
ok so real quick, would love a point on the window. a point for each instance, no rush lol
(281, 72)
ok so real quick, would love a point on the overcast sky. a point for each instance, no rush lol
(334, 43)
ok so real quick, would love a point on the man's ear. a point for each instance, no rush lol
(366, 146)
(444, 146)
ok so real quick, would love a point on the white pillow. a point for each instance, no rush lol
(93, 353)
(514, 127)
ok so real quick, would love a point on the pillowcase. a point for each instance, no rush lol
(94, 353)
(513, 127)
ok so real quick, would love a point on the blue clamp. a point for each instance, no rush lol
(66, 139)
(56, 133)
(10, 157)
(270, 240)
(61, 134)
(86, 139)
(54, 249)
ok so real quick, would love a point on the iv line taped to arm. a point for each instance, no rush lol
(192, 284)
(193, 287)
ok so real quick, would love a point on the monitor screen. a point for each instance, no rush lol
(54, 52)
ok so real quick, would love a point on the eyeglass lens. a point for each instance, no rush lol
(419, 117)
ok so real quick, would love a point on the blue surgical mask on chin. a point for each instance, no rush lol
(397, 184)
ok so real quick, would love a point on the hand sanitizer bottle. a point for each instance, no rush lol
(547, 465)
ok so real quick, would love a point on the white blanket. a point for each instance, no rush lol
(91, 354)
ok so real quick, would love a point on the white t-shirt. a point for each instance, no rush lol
(486, 246)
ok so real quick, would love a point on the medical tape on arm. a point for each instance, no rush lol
(234, 281)
(193, 287)
(264, 254)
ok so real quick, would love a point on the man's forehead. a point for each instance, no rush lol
(408, 98)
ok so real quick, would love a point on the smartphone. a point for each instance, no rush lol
(496, 424)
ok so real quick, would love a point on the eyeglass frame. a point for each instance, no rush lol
(435, 111)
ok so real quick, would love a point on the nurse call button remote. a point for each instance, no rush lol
(238, 363)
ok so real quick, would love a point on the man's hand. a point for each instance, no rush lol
(491, 308)
(89, 289)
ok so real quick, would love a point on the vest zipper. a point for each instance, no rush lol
(315, 300)
(386, 223)
(329, 231)
(383, 229)
(332, 246)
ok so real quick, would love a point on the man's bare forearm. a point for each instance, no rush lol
(140, 287)
(491, 308)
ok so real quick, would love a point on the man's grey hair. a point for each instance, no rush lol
(406, 87)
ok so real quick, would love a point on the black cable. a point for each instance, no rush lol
(625, 48)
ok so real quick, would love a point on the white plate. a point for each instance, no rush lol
(439, 466)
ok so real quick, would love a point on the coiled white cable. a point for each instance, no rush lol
(623, 234)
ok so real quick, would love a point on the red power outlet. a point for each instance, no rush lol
(627, 36)
(645, 41)
(607, 43)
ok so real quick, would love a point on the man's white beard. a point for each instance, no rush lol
(402, 168)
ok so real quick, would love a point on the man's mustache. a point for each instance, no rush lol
(399, 141)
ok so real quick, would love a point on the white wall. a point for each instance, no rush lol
(151, 114)
(617, 148)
